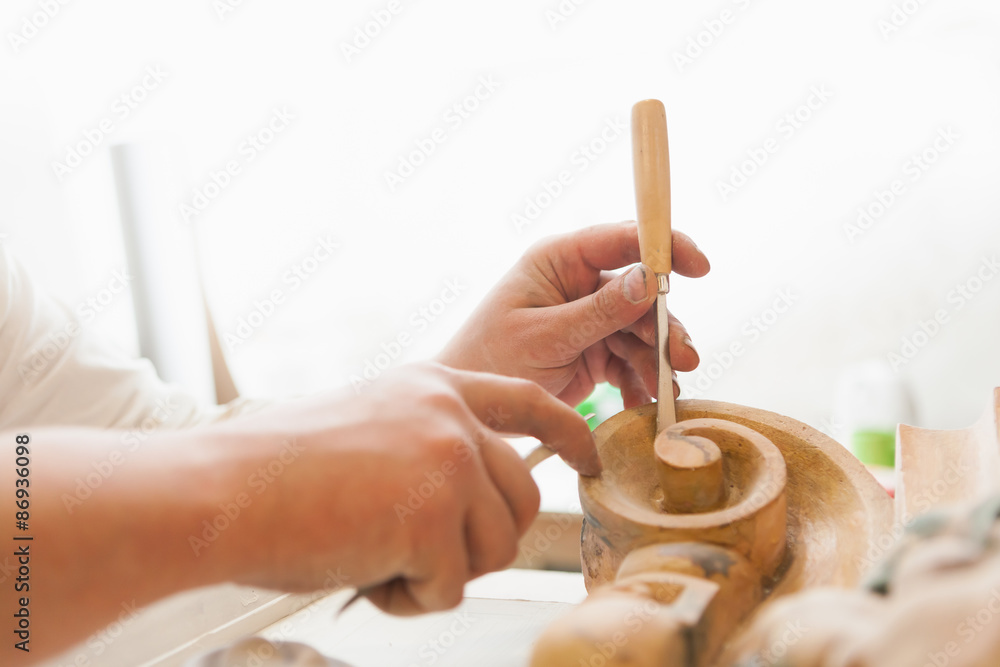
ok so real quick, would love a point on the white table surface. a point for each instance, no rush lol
(495, 626)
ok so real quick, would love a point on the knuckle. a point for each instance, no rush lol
(502, 551)
(451, 596)
(456, 451)
(545, 245)
(505, 554)
(444, 593)
(431, 374)
(443, 399)
(532, 500)
(532, 390)
(535, 400)
(647, 329)
(448, 446)
(603, 305)
(441, 371)
(430, 366)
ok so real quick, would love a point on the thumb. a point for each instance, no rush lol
(611, 308)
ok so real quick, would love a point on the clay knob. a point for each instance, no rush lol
(690, 472)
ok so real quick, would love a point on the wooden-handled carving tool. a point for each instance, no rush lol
(651, 166)
(531, 459)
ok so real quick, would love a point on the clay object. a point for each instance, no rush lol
(704, 480)
(935, 468)
(262, 653)
(834, 507)
(935, 601)
(688, 534)
(934, 597)
(671, 604)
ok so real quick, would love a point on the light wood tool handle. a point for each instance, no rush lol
(651, 165)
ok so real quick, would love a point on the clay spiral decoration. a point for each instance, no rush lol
(685, 534)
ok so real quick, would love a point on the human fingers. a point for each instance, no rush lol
(516, 406)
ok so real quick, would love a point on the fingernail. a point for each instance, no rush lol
(594, 467)
(690, 345)
(702, 253)
(635, 285)
(707, 260)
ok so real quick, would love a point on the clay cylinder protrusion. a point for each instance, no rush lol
(690, 471)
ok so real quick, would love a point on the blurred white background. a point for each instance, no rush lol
(889, 93)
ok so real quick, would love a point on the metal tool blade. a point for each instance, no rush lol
(665, 415)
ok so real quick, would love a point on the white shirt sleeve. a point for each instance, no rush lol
(55, 372)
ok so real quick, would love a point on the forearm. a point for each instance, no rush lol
(110, 533)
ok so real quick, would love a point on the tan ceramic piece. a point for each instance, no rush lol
(259, 652)
(683, 539)
(934, 596)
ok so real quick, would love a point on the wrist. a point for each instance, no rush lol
(183, 489)
(229, 523)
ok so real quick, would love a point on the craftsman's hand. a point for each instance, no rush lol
(406, 490)
(561, 319)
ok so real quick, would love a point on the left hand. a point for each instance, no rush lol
(561, 319)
